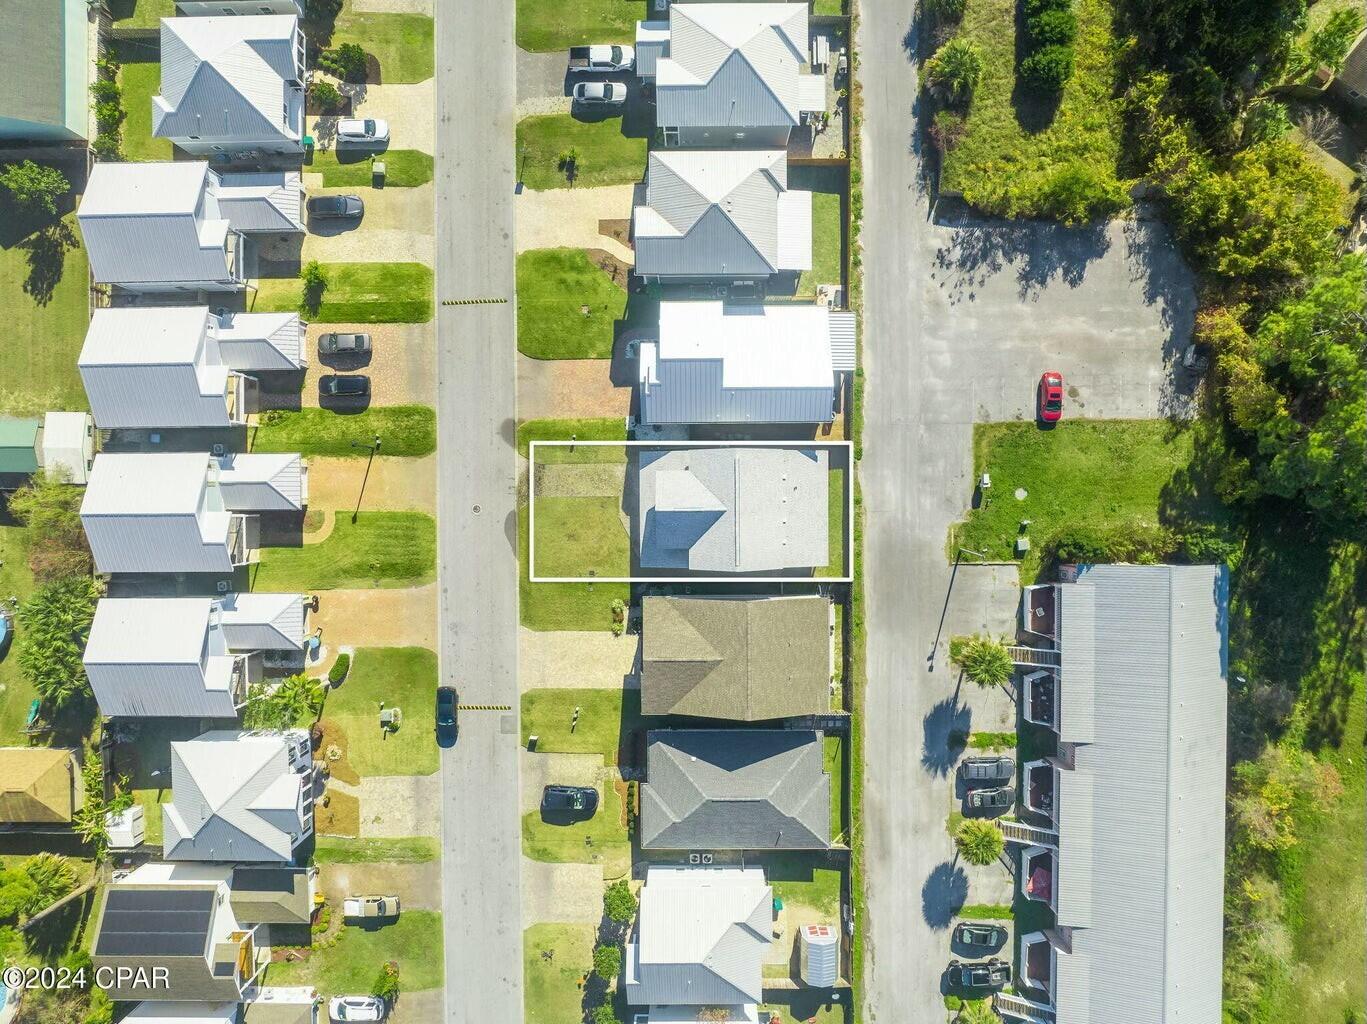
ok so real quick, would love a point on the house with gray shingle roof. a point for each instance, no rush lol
(733, 510)
(746, 658)
(730, 74)
(721, 215)
(1126, 837)
(700, 940)
(735, 789)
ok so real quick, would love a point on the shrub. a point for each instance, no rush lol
(944, 10)
(955, 71)
(108, 115)
(325, 95)
(51, 509)
(315, 284)
(1076, 193)
(289, 706)
(347, 62)
(1034, 8)
(52, 876)
(947, 128)
(322, 10)
(618, 902)
(1048, 69)
(605, 1014)
(979, 841)
(33, 187)
(107, 145)
(339, 669)
(607, 961)
(1053, 28)
(106, 89)
(386, 984)
(56, 621)
(978, 1011)
(984, 660)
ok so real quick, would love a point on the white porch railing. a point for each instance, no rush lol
(1022, 1009)
(1028, 835)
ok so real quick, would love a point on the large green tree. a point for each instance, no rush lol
(51, 508)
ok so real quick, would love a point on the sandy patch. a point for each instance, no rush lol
(397, 228)
(570, 216)
(402, 367)
(568, 389)
(405, 617)
(394, 484)
(571, 893)
(576, 660)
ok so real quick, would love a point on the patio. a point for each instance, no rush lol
(828, 139)
(1041, 704)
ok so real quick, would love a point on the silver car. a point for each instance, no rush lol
(362, 130)
(600, 94)
(335, 344)
(979, 770)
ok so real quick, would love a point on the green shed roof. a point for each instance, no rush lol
(18, 445)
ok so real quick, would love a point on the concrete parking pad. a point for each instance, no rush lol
(418, 1007)
(409, 109)
(577, 660)
(402, 368)
(569, 893)
(540, 770)
(403, 617)
(393, 484)
(568, 217)
(418, 886)
(394, 806)
(396, 228)
(569, 389)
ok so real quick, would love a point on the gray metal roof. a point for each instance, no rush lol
(734, 509)
(735, 789)
(1141, 814)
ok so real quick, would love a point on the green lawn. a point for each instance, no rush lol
(140, 13)
(408, 430)
(381, 549)
(363, 293)
(1012, 145)
(835, 516)
(16, 692)
(150, 800)
(401, 42)
(413, 850)
(1103, 474)
(581, 537)
(555, 957)
(557, 606)
(565, 430)
(566, 306)
(600, 840)
(414, 939)
(835, 769)
(606, 719)
(403, 168)
(43, 292)
(405, 677)
(826, 244)
(140, 79)
(796, 879)
(605, 155)
(554, 24)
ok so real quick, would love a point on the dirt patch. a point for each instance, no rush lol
(341, 816)
(418, 886)
(618, 270)
(618, 230)
(335, 741)
(575, 480)
(394, 484)
(404, 617)
(569, 389)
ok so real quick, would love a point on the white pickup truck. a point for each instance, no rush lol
(602, 58)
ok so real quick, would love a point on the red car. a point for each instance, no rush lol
(1050, 396)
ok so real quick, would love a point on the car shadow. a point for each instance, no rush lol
(344, 405)
(564, 818)
(346, 362)
(329, 227)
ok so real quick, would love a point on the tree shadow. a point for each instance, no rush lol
(1039, 252)
(46, 253)
(943, 730)
(1035, 111)
(943, 895)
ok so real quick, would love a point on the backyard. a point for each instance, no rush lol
(362, 293)
(414, 939)
(402, 677)
(567, 307)
(555, 959)
(1013, 142)
(837, 501)
(381, 549)
(16, 692)
(140, 80)
(405, 430)
(604, 155)
(404, 168)
(140, 13)
(827, 185)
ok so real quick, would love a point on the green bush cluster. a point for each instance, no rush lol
(386, 984)
(347, 61)
(325, 96)
(339, 669)
(1052, 29)
(109, 113)
(35, 885)
(607, 961)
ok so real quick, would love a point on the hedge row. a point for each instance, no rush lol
(1052, 28)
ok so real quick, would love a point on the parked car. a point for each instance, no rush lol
(343, 385)
(991, 799)
(362, 129)
(602, 58)
(600, 94)
(334, 344)
(1050, 396)
(983, 974)
(336, 207)
(987, 937)
(987, 769)
(370, 907)
(446, 714)
(349, 1008)
(581, 801)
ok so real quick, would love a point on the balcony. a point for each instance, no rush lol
(1041, 699)
(1037, 875)
(1038, 611)
(1037, 963)
(1041, 783)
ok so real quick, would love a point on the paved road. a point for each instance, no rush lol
(960, 319)
(477, 551)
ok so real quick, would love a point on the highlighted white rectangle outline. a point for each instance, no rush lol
(701, 577)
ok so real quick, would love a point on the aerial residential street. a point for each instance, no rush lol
(959, 321)
(477, 512)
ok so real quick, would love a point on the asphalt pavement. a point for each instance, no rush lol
(477, 511)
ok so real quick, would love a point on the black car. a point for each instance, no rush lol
(334, 343)
(971, 935)
(333, 207)
(579, 801)
(348, 385)
(987, 769)
(446, 714)
(991, 799)
(984, 974)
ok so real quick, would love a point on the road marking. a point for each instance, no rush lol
(484, 707)
(472, 302)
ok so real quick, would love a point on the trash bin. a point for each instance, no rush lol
(377, 174)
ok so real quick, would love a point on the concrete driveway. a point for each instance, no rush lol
(396, 228)
(409, 109)
(570, 217)
(577, 660)
(543, 83)
(402, 366)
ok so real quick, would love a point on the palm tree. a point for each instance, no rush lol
(983, 659)
(978, 1011)
(955, 71)
(979, 841)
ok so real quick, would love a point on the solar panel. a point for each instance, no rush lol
(264, 879)
(155, 922)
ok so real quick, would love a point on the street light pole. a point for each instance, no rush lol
(374, 447)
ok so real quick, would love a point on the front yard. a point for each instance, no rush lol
(360, 293)
(404, 430)
(349, 967)
(381, 549)
(544, 25)
(607, 719)
(604, 155)
(553, 606)
(401, 43)
(555, 959)
(576, 430)
(404, 168)
(581, 536)
(413, 850)
(567, 307)
(402, 677)
(600, 840)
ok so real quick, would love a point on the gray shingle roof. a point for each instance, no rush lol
(744, 658)
(735, 789)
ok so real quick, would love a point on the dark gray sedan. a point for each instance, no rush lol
(970, 935)
(349, 385)
(985, 974)
(335, 344)
(333, 207)
(991, 799)
(975, 770)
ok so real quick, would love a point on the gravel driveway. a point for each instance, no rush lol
(396, 228)
(576, 660)
(402, 366)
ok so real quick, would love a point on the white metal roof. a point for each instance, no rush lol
(261, 341)
(262, 482)
(123, 189)
(227, 78)
(184, 1013)
(148, 630)
(262, 200)
(263, 622)
(159, 483)
(68, 444)
(134, 335)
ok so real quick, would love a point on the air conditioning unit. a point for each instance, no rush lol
(707, 858)
(218, 451)
(694, 858)
(222, 586)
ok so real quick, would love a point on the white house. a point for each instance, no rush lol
(721, 215)
(167, 227)
(231, 83)
(217, 8)
(186, 656)
(719, 363)
(239, 796)
(700, 940)
(730, 74)
(173, 512)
